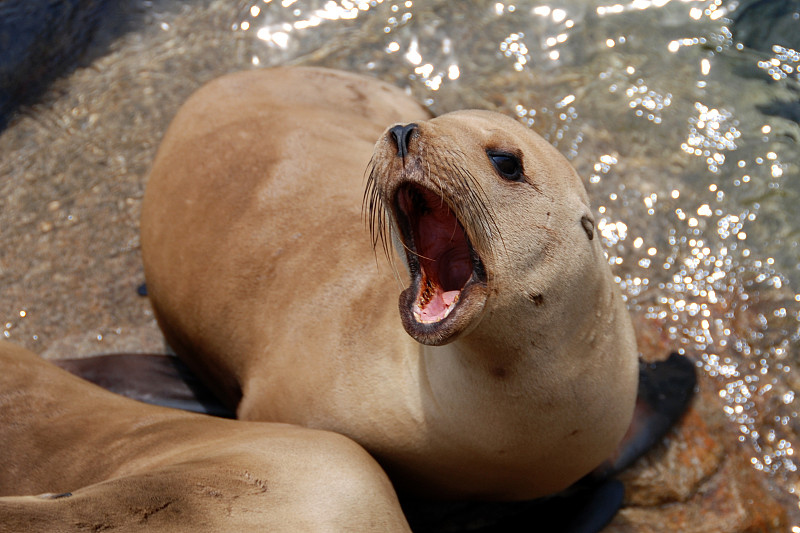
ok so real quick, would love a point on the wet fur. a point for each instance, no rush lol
(265, 283)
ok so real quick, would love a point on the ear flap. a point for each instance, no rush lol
(588, 226)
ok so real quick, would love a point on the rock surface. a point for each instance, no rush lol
(698, 480)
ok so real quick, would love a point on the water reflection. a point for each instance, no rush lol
(697, 190)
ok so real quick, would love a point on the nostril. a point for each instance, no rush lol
(401, 135)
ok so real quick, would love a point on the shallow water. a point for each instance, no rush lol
(654, 102)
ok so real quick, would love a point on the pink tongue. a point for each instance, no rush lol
(436, 308)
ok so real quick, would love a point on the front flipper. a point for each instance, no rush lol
(665, 390)
(156, 379)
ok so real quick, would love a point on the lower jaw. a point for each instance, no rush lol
(460, 319)
(445, 302)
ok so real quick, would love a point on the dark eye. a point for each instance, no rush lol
(507, 165)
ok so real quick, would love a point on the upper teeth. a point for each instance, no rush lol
(427, 294)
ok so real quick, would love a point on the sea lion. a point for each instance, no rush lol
(76, 457)
(511, 369)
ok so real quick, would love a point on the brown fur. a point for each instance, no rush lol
(78, 458)
(264, 281)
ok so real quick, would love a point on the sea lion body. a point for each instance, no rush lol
(264, 280)
(76, 457)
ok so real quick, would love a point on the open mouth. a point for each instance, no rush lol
(442, 262)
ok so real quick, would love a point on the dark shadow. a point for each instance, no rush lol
(760, 25)
(41, 40)
(580, 509)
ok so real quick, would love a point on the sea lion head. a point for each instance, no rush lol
(488, 217)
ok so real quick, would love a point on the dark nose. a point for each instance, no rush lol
(402, 136)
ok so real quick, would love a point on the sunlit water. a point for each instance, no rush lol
(655, 103)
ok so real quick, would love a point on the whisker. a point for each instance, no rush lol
(374, 210)
(446, 173)
(485, 210)
(409, 250)
(377, 217)
(479, 200)
(474, 207)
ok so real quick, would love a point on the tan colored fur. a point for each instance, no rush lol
(139, 468)
(264, 281)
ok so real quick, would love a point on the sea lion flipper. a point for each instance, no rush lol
(156, 379)
(665, 391)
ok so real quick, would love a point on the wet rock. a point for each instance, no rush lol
(700, 480)
(788, 110)
(672, 471)
(761, 24)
